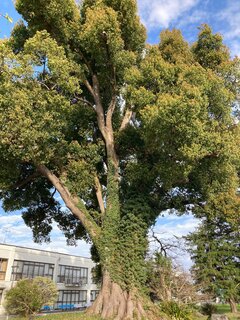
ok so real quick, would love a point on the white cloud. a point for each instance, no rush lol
(197, 17)
(9, 219)
(170, 229)
(160, 13)
(230, 17)
(172, 225)
(14, 231)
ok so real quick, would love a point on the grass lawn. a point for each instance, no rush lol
(225, 308)
(221, 309)
(63, 316)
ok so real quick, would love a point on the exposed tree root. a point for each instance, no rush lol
(115, 303)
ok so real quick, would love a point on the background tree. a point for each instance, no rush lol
(30, 295)
(215, 250)
(168, 281)
(121, 130)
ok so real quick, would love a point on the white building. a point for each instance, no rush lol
(72, 274)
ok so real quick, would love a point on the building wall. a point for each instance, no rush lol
(75, 291)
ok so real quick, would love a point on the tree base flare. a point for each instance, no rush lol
(115, 303)
(233, 305)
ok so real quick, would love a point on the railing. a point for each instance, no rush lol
(72, 281)
(19, 275)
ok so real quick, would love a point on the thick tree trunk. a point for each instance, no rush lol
(115, 303)
(233, 305)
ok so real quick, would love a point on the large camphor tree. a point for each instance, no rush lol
(122, 130)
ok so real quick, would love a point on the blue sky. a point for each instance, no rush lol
(222, 15)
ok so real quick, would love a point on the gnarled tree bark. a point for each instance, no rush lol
(233, 305)
(115, 303)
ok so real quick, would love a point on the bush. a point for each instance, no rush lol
(30, 295)
(208, 309)
(176, 311)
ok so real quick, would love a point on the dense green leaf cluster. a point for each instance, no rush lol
(215, 248)
(30, 295)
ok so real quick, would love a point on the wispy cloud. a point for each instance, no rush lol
(170, 229)
(197, 17)
(161, 13)
(229, 18)
(172, 225)
(14, 231)
(10, 219)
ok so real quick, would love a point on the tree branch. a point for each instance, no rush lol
(95, 92)
(126, 119)
(110, 111)
(72, 203)
(87, 63)
(99, 107)
(85, 101)
(98, 189)
(22, 183)
(113, 83)
(89, 87)
(110, 64)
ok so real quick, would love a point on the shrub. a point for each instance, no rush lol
(175, 310)
(208, 309)
(30, 295)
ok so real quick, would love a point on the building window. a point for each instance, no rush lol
(30, 269)
(94, 294)
(3, 268)
(1, 294)
(72, 276)
(71, 299)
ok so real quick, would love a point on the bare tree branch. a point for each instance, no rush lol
(168, 247)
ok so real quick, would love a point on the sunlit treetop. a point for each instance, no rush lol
(209, 49)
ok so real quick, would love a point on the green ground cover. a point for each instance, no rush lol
(225, 308)
(221, 309)
(63, 316)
